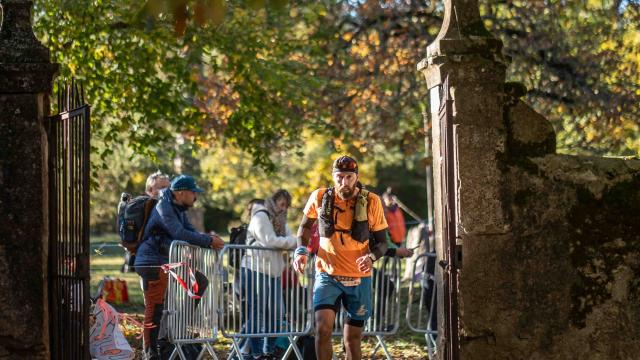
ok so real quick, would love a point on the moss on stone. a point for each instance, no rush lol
(603, 220)
(523, 163)
(521, 197)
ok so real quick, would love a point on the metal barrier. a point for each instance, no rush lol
(385, 317)
(261, 299)
(232, 294)
(424, 319)
(189, 319)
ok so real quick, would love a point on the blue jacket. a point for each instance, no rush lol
(167, 222)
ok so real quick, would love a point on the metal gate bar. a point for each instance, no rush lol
(68, 135)
(449, 224)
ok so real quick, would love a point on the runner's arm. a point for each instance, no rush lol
(304, 231)
(378, 243)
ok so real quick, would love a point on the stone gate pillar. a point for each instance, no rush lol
(26, 76)
(466, 53)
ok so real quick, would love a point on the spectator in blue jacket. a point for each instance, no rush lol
(167, 222)
(155, 182)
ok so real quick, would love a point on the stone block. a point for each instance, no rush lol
(24, 225)
(530, 134)
(480, 180)
(562, 283)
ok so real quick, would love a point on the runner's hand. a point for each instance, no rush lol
(364, 263)
(403, 252)
(216, 242)
(299, 263)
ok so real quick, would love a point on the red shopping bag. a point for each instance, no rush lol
(115, 291)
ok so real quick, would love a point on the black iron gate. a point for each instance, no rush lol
(68, 134)
(449, 236)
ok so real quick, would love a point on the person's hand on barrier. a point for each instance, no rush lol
(216, 242)
(403, 252)
(364, 263)
(299, 263)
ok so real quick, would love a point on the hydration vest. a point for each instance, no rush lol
(326, 221)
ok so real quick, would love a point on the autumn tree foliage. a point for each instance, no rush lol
(255, 73)
(579, 61)
(276, 81)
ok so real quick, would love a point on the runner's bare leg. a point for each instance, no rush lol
(352, 341)
(324, 327)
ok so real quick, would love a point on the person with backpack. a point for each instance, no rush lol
(155, 182)
(238, 235)
(261, 272)
(347, 214)
(167, 222)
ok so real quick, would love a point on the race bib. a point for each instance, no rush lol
(347, 280)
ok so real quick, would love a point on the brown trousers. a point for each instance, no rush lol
(154, 293)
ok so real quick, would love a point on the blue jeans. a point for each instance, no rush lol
(265, 309)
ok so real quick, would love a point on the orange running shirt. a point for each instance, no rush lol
(337, 255)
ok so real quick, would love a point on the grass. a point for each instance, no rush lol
(107, 259)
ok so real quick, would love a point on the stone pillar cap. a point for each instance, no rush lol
(18, 44)
(462, 32)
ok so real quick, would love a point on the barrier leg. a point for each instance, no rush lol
(210, 350)
(235, 349)
(288, 352)
(431, 346)
(293, 346)
(289, 348)
(384, 347)
(375, 350)
(230, 356)
(180, 353)
(202, 352)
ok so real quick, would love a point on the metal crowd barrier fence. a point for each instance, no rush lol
(231, 291)
(385, 317)
(262, 297)
(424, 318)
(191, 319)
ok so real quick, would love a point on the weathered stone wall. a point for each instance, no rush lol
(564, 282)
(26, 76)
(550, 243)
(23, 315)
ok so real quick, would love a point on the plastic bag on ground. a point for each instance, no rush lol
(106, 341)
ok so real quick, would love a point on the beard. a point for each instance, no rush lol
(346, 192)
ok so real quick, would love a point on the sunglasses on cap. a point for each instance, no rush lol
(345, 163)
